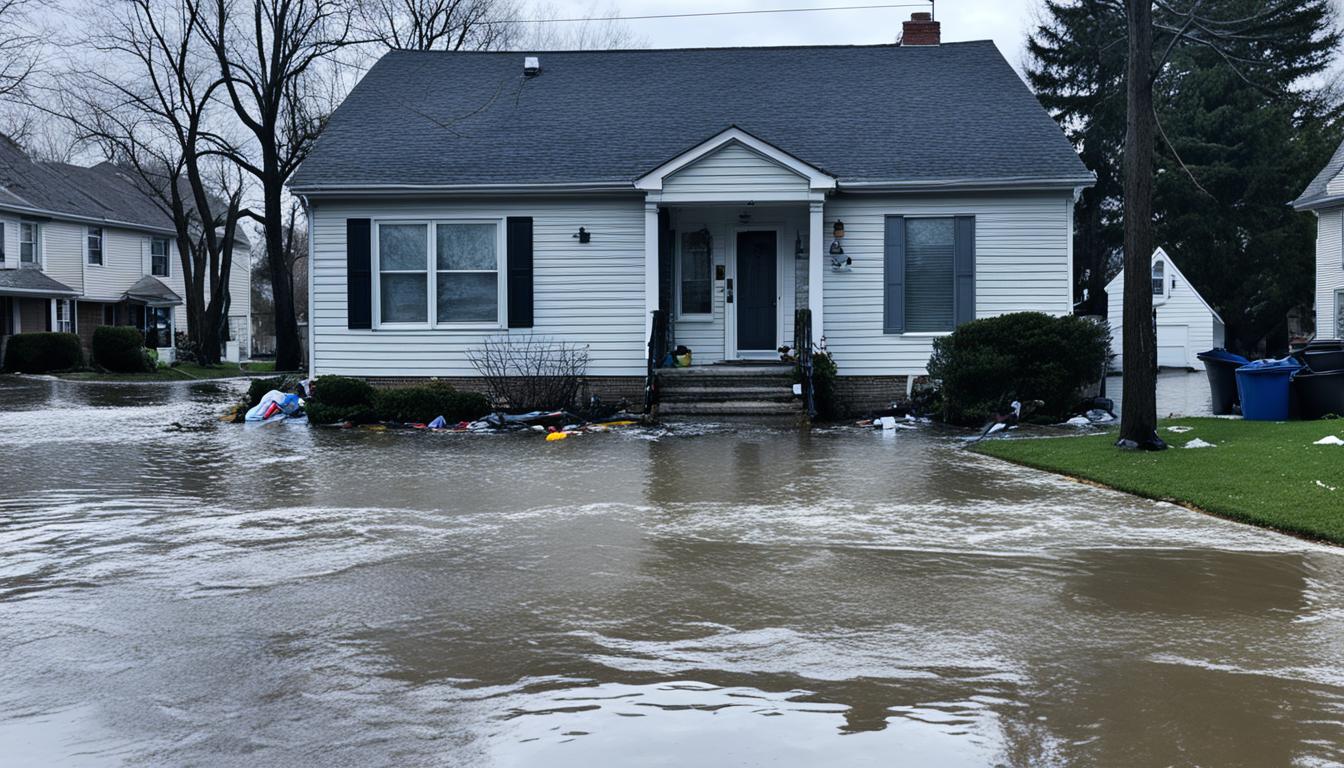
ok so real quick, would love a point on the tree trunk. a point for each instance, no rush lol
(1138, 414)
(286, 325)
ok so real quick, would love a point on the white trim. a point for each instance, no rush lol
(167, 258)
(650, 269)
(431, 272)
(102, 249)
(817, 179)
(37, 230)
(730, 349)
(311, 270)
(816, 275)
(23, 210)
(39, 293)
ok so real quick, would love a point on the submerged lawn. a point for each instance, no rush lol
(1260, 472)
(180, 372)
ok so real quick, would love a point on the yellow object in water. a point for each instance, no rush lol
(557, 436)
(625, 423)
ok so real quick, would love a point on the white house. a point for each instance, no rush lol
(83, 247)
(583, 196)
(1324, 196)
(1186, 324)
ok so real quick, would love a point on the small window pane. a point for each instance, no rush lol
(403, 246)
(95, 238)
(467, 246)
(403, 297)
(158, 257)
(468, 297)
(929, 246)
(1158, 287)
(697, 274)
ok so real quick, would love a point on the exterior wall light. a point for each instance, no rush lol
(584, 236)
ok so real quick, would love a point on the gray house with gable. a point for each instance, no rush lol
(893, 190)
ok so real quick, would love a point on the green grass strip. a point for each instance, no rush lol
(1264, 473)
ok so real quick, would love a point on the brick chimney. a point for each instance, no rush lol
(921, 29)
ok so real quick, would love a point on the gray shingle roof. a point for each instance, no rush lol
(1315, 193)
(31, 282)
(151, 291)
(862, 113)
(100, 193)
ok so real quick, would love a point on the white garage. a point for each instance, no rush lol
(1186, 324)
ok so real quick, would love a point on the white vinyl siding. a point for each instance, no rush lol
(1022, 246)
(1329, 272)
(122, 265)
(1185, 324)
(62, 252)
(734, 173)
(590, 294)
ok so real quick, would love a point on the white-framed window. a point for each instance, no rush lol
(158, 257)
(65, 316)
(439, 273)
(695, 275)
(29, 250)
(2, 242)
(930, 298)
(1159, 279)
(1339, 314)
(93, 246)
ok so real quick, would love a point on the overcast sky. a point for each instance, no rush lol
(1006, 22)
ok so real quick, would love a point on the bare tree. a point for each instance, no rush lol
(598, 28)
(426, 25)
(148, 104)
(271, 56)
(20, 45)
(1236, 32)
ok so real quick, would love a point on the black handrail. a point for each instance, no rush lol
(658, 349)
(802, 344)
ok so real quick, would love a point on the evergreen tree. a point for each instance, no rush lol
(1246, 124)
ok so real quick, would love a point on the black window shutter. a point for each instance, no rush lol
(893, 268)
(358, 275)
(964, 268)
(519, 234)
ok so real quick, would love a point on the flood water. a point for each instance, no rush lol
(214, 595)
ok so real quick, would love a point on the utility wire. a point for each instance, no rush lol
(924, 4)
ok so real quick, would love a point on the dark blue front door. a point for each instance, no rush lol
(756, 292)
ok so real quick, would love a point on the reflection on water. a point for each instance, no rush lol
(178, 591)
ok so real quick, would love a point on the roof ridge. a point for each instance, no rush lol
(687, 49)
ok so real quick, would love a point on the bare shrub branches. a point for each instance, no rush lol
(530, 373)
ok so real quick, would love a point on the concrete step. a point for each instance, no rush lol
(679, 394)
(724, 382)
(730, 408)
(762, 369)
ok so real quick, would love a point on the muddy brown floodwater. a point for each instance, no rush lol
(215, 595)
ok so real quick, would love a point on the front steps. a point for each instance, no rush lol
(750, 392)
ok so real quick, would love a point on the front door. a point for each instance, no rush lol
(756, 291)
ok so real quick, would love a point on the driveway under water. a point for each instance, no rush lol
(209, 594)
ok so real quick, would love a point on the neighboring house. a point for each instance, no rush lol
(1324, 196)
(1186, 324)
(83, 247)
(458, 196)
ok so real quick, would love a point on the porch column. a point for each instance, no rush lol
(650, 266)
(815, 257)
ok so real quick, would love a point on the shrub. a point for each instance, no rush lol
(120, 348)
(43, 352)
(343, 391)
(423, 403)
(986, 364)
(531, 373)
(321, 413)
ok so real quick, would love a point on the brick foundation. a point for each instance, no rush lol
(862, 394)
(611, 389)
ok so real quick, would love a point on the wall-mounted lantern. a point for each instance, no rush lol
(799, 252)
(584, 236)
(839, 261)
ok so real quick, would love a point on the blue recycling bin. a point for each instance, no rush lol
(1265, 386)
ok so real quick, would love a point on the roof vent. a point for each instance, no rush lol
(531, 66)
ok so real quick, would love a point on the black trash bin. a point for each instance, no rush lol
(1319, 394)
(1221, 367)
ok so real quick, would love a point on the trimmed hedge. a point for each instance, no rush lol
(986, 364)
(121, 349)
(342, 391)
(423, 403)
(43, 352)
